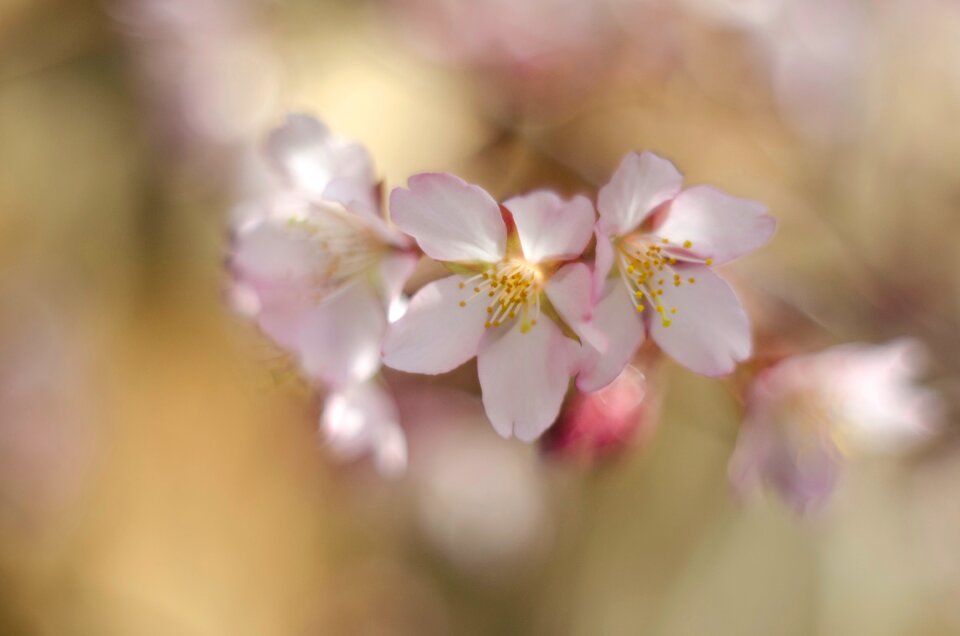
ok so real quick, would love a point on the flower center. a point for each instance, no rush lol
(646, 266)
(512, 289)
(344, 250)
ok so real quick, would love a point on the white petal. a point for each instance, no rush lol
(450, 219)
(312, 160)
(436, 334)
(362, 418)
(340, 338)
(551, 228)
(710, 332)
(640, 184)
(524, 377)
(615, 317)
(720, 226)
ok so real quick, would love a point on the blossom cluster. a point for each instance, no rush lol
(554, 297)
(542, 289)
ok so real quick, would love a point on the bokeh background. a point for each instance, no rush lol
(160, 471)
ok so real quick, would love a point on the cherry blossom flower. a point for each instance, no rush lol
(662, 278)
(513, 302)
(318, 268)
(806, 414)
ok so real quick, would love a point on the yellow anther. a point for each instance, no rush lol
(673, 310)
(691, 280)
(461, 285)
(666, 241)
(463, 303)
(667, 323)
(709, 261)
(688, 244)
(640, 308)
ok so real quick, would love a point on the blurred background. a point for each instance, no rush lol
(160, 471)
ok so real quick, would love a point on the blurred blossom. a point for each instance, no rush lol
(815, 54)
(608, 421)
(806, 414)
(207, 77)
(532, 50)
(316, 265)
(739, 13)
(362, 419)
(481, 500)
(818, 54)
(45, 426)
(493, 308)
(658, 245)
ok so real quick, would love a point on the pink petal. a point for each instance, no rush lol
(340, 339)
(551, 228)
(602, 264)
(363, 418)
(720, 226)
(617, 319)
(312, 160)
(524, 377)
(436, 334)
(570, 291)
(640, 184)
(450, 219)
(710, 332)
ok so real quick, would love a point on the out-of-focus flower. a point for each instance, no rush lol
(523, 38)
(534, 52)
(816, 54)
(319, 268)
(362, 419)
(511, 302)
(317, 265)
(806, 414)
(208, 79)
(481, 501)
(599, 424)
(663, 277)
